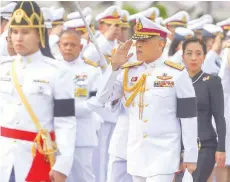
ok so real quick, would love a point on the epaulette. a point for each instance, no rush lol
(174, 65)
(87, 61)
(128, 65)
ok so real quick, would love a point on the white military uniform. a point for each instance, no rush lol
(84, 78)
(224, 74)
(117, 167)
(47, 87)
(91, 56)
(153, 149)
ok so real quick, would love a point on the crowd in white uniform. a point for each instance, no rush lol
(104, 149)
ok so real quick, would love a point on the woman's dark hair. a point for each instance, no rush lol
(173, 47)
(46, 51)
(194, 40)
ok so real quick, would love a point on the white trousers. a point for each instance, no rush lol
(157, 178)
(82, 170)
(117, 170)
(105, 134)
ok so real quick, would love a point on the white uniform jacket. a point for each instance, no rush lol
(84, 79)
(49, 91)
(154, 141)
(120, 133)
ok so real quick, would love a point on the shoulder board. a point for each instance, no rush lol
(87, 61)
(174, 65)
(128, 65)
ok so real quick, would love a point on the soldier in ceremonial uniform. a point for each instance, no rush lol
(179, 19)
(84, 78)
(110, 30)
(156, 93)
(37, 115)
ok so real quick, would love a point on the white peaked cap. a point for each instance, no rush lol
(77, 23)
(110, 15)
(145, 29)
(225, 24)
(151, 13)
(182, 33)
(124, 19)
(198, 25)
(208, 18)
(58, 14)
(7, 10)
(211, 28)
(180, 18)
(86, 11)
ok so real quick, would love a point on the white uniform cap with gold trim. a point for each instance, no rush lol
(179, 19)
(75, 15)
(182, 33)
(225, 24)
(111, 15)
(208, 18)
(151, 13)
(198, 25)
(124, 19)
(48, 16)
(6, 11)
(211, 30)
(78, 24)
(58, 16)
(146, 29)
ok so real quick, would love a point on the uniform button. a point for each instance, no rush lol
(146, 105)
(145, 121)
(145, 135)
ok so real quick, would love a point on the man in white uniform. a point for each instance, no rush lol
(84, 77)
(157, 93)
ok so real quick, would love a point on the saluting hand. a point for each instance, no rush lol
(220, 159)
(56, 176)
(121, 56)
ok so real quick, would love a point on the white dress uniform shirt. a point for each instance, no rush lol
(84, 79)
(48, 88)
(224, 74)
(154, 142)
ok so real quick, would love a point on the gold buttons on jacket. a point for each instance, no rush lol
(145, 121)
(145, 135)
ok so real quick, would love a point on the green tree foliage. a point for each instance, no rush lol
(162, 9)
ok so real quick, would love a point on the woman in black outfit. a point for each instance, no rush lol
(210, 102)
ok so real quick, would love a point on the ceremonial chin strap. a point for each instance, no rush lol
(103, 61)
